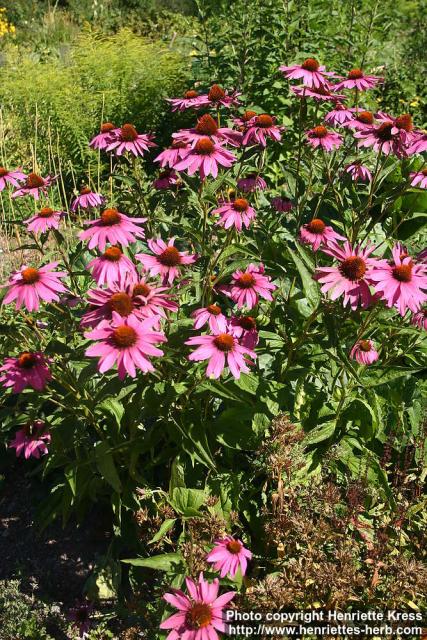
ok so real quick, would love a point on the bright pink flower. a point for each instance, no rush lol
(11, 177)
(242, 121)
(321, 94)
(44, 220)
(356, 79)
(29, 285)
(364, 352)
(127, 138)
(166, 180)
(205, 158)
(418, 145)
(361, 121)
(111, 267)
(251, 182)
(171, 156)
(358, 171)
(30, 369)
(167, 260)
(321, 137)
(212, 315)
(260, 128)
(419, 178)
(127, 341)
(217, 96)
(208, 127)
(104, 137)
(31, 440)
(385, 138)
(401, 281)
(228, 555)
(200, 615)
(245, 328)
(87, 199)
(235, 214)
(339, 115)
(247, 286)
(282, 205)
(351, 276)
(190, 100)
(419, 319)
(316, 233)
(33, 185)
(221, 349)
(310, 71)
(113, 227)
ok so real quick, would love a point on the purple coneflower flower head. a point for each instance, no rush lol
(242, 121)
(166, 261)
(205, 158)
(361, 121)
(385, 138)
(44, 220)
(113, 227)
(211, 315)
(217, 96)
(208, 126)
(324, 93)
(11, 177)
(322, 137)
(248, 286)
(80, 615)
(316, 233)
(31, 440)
(190, 100)
(235, 214)
(251, 182)
(356, 79)
(228, 555)
(127, 138)
(30, 369)
(111, 267)
(171, 156)
(282, 205)
(260, 128)
(127, 341)
(418, 144)
(310, 72)
(104, 137)
(419, 178)
(167, 179)
(364, 352)
(33, 186)
(87, 199)
(358, 172)
(201, 614)
(245, 328)
(221, 349)
(401, 282)
(419, 319)
(339, 115)
(29, 285)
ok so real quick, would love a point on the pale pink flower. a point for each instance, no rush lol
(339, 115)
(87, 199)
(200, 615)
(419, 319)
(171, 156)
(419, 178)
(33, 186)
(228, 555)
(167, 260)
(44, 220)
(205, 158)
(235, 214)
(29, 285)
(211, 315)
(11, 177)
(112, 227)
(248, 286)
(251, 182)
(104, 137)
(30, 369)
(31, 440)
(221, 349)
(127, 341)
(401, 282)
(190, 100)
(127, 138)
(260, 128)
(321, 137)
(310, 72)
(358, 171)
(111, 267)
(356, 79)
(167, 179)
(317, 233)
(245, 328)
(364, 352)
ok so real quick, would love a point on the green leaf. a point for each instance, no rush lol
(165, 527)
(163, 562)
(310, 287)
(320, 433)
(106, 467)
(187, 501)
(113, 407)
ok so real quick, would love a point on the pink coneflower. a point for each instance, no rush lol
(200, 615)
(127, 138)
(310, 71)
(190, 100)
(217, 96)
(127, 341)
(419, 319)
(358, 172)
(356, 79)
(33, 186)
(322, 94)
(31, 440)
(80, 615)
(247, 286)
(242, 121)
(221, 349)
(228, 555)
(211, 315)
(251, 183)
(419, 178)
(11, 177)
(113, 227)
(340, 115)
(316, 233)
(171, 156)
(260, 128)
(235, 214)
(364, 352)
(111, 267)
(384, 137)
(361, 121)
(205, 158)
(29, 285)
(44, 220)
(245, 328)
(282, 205)
(401, 281)
(322, 137)
(87, 199)
(104, 137)
(167, 260)
(419, 145)
(167, 179)
(30, 369)
(351, 276)
(207, 126)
